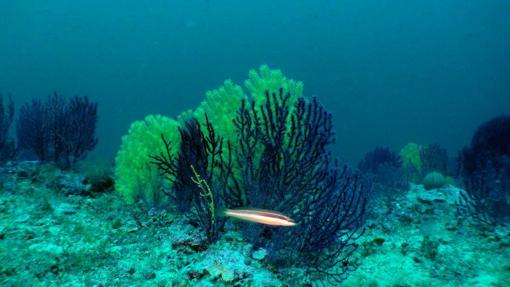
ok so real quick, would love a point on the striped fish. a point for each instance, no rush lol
(267, 217)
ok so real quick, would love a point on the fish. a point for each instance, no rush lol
(267, 217)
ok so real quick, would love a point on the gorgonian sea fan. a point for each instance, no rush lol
(286, 166)
(58, 130)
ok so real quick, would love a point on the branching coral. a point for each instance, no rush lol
(485, 170)
(81, 118)
(206, 193)
(378, 158)
(58, 130)
(136, 178)
(411, 161)
(221, 106)
(490, 146)
(32, 119)
(201, 158)
(7, 146)
(295, 174)
(434, 158)
(268, 80)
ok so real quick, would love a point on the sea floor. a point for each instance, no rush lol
(56, 231)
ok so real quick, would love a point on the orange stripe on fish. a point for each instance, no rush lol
(267, 217)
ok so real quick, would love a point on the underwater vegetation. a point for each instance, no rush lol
(135, 177)
(201, 175)
(434, 180)
(411, 161)
(383, 172)
(295, 174)
(379, 157)
(388, 174)
(7, 144)
(58, 130)
(434, 158)
(420, 160)
(267, 150)
(485, 173)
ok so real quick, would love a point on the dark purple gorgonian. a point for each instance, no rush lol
(58, 130)
(7, 146)
(286, 166)
(485, 173)
(205, 154)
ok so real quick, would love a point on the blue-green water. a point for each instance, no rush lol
(392, 72)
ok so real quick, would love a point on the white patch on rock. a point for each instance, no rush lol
(47, 248)
(259, 254)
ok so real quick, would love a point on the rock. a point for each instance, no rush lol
(49, 248)
(370, 247)
(149, 275)
(117, 223)
(54, 230)
(26, 169)
(99, 184)
(423, 200)
(434, 180)
(197, 274)
(155, 212)
(219, 271)
(29, 235)
(7, 271)
(259, 254)
(198, 246)
(66, 209)
(379, 241)
(191, 244)
(404, 248)
(71, 184)
(23, 218)
(233, 236)
(405, 219)
(429, 248)
(23, 174)
(431, 198)
(8, 184)
(228, 276)
(131, 228)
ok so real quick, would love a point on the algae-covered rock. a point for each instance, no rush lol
(48, 248)
(70, 184)
(429, 248)
(66, 209)
(225, 263)
(434, 180)
(149, 275)
(259, 254)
